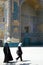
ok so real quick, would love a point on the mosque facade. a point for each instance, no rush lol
(21, 20)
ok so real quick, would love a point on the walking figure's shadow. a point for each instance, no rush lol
(25, 62)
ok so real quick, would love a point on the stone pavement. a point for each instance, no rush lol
(31, 56)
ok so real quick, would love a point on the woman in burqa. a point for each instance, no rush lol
(7, 53)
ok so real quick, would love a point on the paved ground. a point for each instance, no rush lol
(31, 56)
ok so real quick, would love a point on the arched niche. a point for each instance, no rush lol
(28, 21)
(27, 15)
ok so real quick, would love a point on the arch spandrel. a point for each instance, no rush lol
(33, 3)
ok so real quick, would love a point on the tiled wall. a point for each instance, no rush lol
(24, 15)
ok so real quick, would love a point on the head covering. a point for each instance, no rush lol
(6, 44)
(20, 44)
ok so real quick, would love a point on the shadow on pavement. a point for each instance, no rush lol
(24, 62)
(17, 64)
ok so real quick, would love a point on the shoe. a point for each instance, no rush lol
(21, 60)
